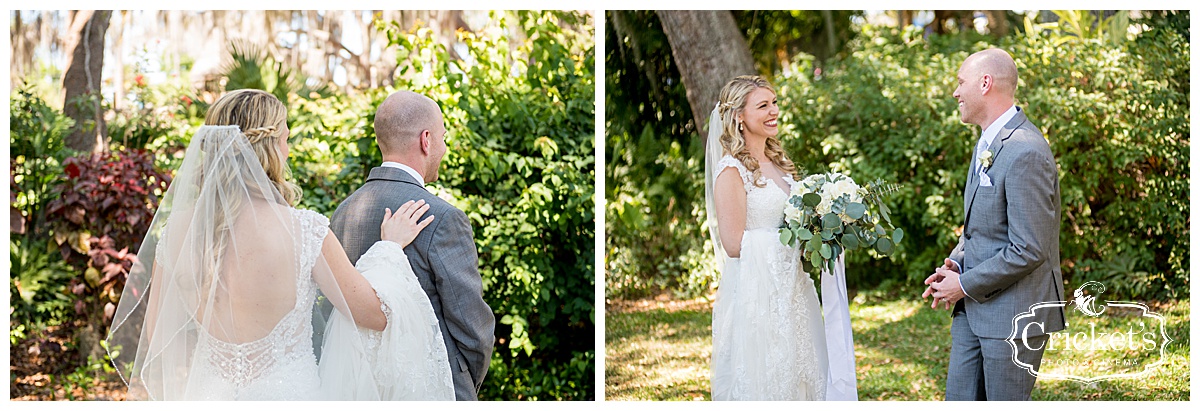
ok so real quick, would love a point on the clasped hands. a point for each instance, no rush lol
(944, 286)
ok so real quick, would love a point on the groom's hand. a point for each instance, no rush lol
(948, 264)
(948, 289)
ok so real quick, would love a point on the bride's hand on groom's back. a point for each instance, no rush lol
(403, 226)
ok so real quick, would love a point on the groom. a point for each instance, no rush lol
(411, 135)
(1007, 257)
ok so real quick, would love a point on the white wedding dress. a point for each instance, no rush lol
(225, 299)
(407, 360)
(768, 334)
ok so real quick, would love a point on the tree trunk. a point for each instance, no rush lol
(940, 17)
(81, 82)
(830, 32)
(709, 50)
(997, 23)
(118, 43)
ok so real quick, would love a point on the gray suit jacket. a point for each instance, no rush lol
(444, 259)
(1009, 249)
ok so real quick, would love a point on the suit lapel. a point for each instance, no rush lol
(996, 146)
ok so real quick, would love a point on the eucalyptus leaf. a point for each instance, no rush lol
(786, 236)
(898, 235)
(884, 246)
(826, 251)
(850, 240)
(804, 234)
(856, 210)
(812, 199)
(830, 221)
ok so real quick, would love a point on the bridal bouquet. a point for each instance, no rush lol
(829, 214)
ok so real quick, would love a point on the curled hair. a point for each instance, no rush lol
(733, 100)
(262, 117)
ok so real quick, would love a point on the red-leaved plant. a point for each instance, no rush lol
(104, 207)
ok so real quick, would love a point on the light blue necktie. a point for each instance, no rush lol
(979, 149)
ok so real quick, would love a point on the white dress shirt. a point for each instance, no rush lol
(992, 130)
(407, 169)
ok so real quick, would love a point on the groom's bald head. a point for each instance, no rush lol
(402, 118)
(996, 64)
(987, 85)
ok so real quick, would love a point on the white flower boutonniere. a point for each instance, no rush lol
(985, 158)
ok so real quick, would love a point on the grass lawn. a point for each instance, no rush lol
(659, 350)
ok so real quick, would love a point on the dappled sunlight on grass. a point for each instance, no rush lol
(660, 350)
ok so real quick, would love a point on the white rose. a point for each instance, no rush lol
(798, 189)
(846, 186)
(793, 214)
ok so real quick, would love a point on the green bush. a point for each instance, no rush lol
(37, 274)
(1115, 114)
(521, 115)
(1114, 109)
(655, 164)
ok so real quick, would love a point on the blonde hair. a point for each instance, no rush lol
(262, 117)
(733, 100)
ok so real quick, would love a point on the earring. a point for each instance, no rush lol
(739, 126)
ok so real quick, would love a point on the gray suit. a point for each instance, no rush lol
(1009, 254)
(444, 259)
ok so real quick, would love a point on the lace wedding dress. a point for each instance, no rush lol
(282, 365)
(224, 300)
(768, 334)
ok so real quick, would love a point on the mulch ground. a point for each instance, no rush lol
(39, 367)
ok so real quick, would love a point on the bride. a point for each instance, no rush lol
(220, 305)
(768, 334)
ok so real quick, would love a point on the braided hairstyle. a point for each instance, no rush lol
(262, 117)
(733, 100)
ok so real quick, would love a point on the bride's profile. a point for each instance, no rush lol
(220, 304)
(768, 333)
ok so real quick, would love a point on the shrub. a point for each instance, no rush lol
(1115, 114)
(655, 240)
(521, 164)
(104, 208)
(38, 277)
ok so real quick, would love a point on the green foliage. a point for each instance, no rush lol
(1115, 116)
(771, 34)
(37, 275)
(37, 287)
(1076, 25)
(251, 66)
(332, 146)
(36, 149)
(521, 164)
(654, 197)
(158, 117)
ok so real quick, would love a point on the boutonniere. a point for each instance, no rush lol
(985, 158)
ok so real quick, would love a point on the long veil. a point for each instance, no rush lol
(712, 156)
(224, 285)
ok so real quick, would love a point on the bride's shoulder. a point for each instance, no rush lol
(311, 216)
(730, 161)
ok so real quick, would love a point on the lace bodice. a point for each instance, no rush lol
(275, 359)
(764, 205)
